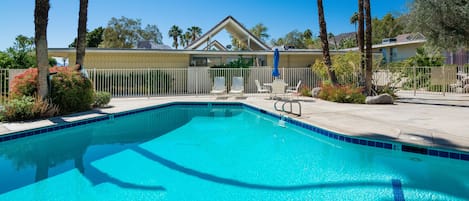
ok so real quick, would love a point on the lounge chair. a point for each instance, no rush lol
(237, 86)
(295, 90)
(261, 89)
(218, 86)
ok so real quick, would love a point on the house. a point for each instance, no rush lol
(399, 48)
(203, 52)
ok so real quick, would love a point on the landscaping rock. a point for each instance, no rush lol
(315, 92)
(380, 99)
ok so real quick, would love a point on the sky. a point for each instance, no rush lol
(279, 16)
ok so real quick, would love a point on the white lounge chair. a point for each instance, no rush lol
(295, 89)
(219, 86)
(261, 89)
(237, 86)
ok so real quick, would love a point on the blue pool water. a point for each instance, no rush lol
(202, 152)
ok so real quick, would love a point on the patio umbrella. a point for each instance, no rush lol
(275, 72)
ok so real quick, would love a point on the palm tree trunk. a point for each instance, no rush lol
(81, 42)
(369, 56)
(41, 15)
(361, 40)
(325, 44)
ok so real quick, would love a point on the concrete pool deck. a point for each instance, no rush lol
(433, 125)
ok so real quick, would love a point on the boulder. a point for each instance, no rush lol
(315, 92)
(380, 99)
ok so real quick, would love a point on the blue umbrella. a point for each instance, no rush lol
(275, 72)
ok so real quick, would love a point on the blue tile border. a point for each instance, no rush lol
(464, 156)
(371, 143)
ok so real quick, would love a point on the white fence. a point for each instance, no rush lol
(198, 80)
(190, 81)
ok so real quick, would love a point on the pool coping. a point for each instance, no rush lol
(362, 141)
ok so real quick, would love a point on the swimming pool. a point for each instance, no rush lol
(219, 151)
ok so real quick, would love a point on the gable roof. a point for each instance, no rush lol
(217, 45)
(409, 37)
(236, 30)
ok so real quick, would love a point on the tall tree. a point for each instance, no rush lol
(20, 53)
(151, 33)
(93, 38)
(195, 32)
(293, 38)
(175, 32)
(387, 27)
(354, 20)
(444, 23)
(325, 44)
(125, 33)
(260, 31)
(307, 34)
(361, 40)
(81, 41)
(41, 17)
(368, 43)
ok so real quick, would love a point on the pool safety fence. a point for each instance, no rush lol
(146, 82)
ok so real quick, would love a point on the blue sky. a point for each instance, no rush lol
(280, 17)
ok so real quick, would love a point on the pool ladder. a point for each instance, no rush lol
(288, 110)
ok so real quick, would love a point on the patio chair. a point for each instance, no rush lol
(218, 86)
(261, 89)
(295, 90)
(237, 86)
(278, 88)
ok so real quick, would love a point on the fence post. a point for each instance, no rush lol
(94, 79)
(415, 80)
(148, 83)
(444, 81)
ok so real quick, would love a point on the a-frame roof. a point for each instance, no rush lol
(236, 30)
(217, 45)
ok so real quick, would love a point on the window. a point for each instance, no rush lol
(393, 54)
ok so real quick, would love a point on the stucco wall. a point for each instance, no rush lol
(292, 61)
(132, 60)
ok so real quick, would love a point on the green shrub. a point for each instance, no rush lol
(305, 91)
(342, 94)
(101, 98)
(26, 108)
(71, 91)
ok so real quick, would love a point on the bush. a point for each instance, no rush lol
(305, 91)
(71, 91)
(342, 94)
(26, 108)
(101, 98)
(24, 84)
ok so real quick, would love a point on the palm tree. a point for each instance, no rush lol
(174, 32)
(368, 43)
(308, 34)
(81, 41)
(185, 39)
(41, 16)
(195, 32)
(354, 20)
(361, 39)
(325, 44)
(260, 31)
